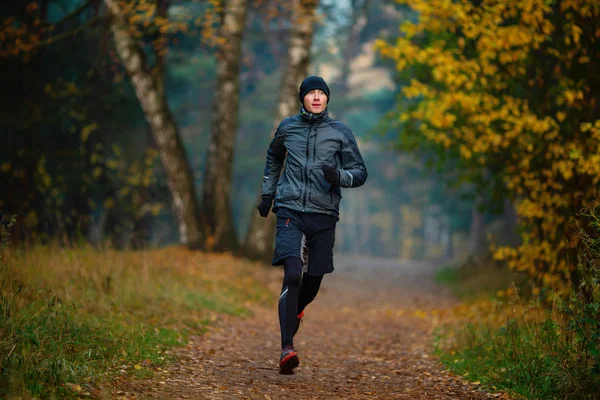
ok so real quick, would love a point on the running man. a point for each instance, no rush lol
(320, 156)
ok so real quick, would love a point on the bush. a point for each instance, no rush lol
(531, 348)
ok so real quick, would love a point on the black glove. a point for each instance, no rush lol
(331, 174)
(265, 206)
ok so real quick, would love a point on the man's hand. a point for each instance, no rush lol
(331, 174)
(265, 206)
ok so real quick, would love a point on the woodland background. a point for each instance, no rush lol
(79, 161)
(135, 125)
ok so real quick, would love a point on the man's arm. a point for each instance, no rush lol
(354, 171)
(275, 157)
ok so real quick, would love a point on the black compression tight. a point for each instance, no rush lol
(308, 290)
(298, 291)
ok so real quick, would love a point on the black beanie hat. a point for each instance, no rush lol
(311, 83)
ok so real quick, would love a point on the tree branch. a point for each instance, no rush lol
(80, 28)
(74, 13)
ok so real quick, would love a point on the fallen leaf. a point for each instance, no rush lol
(74, 387)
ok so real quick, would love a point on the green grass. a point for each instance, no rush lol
(520, 343)
(73, 317)
(473, 281)
(534, 361)
(447, 276)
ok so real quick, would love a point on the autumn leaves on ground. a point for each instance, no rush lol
(130, 325)
(367, 336)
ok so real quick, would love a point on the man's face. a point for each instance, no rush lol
(315, 101)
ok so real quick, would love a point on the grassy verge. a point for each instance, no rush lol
(516, 342)
(479, 279)
(71, 319)
(526, 350)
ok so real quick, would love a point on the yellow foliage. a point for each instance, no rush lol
(97, 172)
(551, 161)
(87, 130)
(109, 203)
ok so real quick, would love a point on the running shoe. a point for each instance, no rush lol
(288, 360)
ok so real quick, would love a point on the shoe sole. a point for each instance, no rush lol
(287, 365)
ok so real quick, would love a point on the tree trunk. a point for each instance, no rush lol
(147, 224)
(160, 49)
(448, 243)
(510, 233)
(352, 49)
(219, 161)
(164, 130)
(349, 52)
(476, 231)
(261, 231)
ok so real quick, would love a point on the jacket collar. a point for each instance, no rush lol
(310, 117)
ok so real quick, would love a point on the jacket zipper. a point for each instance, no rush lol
(306, 186)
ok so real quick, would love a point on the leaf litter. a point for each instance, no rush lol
(368, 335)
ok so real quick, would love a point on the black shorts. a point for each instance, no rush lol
(308, 236)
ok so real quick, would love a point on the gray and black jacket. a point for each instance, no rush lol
(300, 147)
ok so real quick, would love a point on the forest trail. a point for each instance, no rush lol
(364, 337)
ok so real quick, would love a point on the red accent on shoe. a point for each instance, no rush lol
(301, 314)
(286, 358)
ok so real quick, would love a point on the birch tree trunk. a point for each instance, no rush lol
(163, 128)
(261, 231)
(160, 49)
(219, 162)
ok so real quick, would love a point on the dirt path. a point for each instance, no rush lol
(360, 339)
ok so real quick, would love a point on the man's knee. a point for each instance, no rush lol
(292, 279)
(293, 271)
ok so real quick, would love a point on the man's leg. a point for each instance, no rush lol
(288, 309)
(319, 243)
(288, 299)
(308, 290)
(288, 245)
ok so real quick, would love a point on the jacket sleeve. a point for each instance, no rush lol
(353, 172)
(275, 157)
